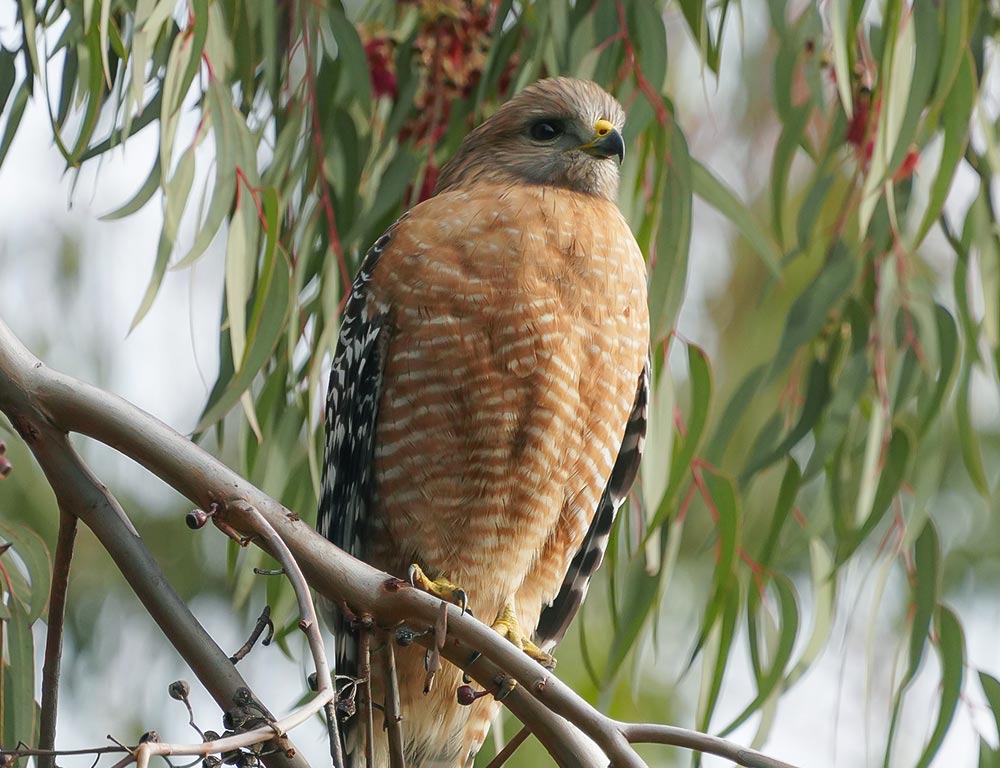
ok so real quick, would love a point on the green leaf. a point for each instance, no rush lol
(29, 23)
(272, 299)
(951, 653)
(714, 192)
(103, 25)
(968, 438)
(95, 93)
(847, 390)
(988, 757)
(787, 494)
(788, 145)
(141, 197)
(715, 672)
(809, 311)
(991, 688)
(224, 185)
(18, 718)
(355, 81)
(639, 593)
(725, 510)
(673, 235)
(956, 115)
(925, 68)
(697, 19)
(954, 48)
(816, 401)
(842, 35)
(700, 386)
(824, 584)
(947, 342)
(650, 38)
(8, 75)
(14, 118)
(736, 410)
(926, 588)
(240, 263)
(659, 439)
(175, 199)
(31, 548)
(194, 37)
(890, 478)
(769, 679)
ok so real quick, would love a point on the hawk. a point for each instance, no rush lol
(487, 402)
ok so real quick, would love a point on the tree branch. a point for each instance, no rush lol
(81, 494)
(309, 624)
(54, 636)
(392, 717)
(649, 733)
(562, 721)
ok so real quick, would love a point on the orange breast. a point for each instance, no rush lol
(519, 331)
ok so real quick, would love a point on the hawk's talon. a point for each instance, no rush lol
(441, 588)
(466, 677)
(507, 626)
(504, 687)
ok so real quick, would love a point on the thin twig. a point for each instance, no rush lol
(263, 622)
(54, 636)
(510, 748)
(265, 733)
(180, 691)
(33, 752)
(308, 624)
(365, 705)
(392, 715)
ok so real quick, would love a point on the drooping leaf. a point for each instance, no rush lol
(951, 654)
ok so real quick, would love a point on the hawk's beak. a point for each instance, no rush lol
(607, 142)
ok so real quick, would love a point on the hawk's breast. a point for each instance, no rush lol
(519, 328)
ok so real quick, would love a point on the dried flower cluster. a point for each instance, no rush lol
(448, 54)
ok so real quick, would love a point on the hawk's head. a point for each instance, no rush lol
(561, 132)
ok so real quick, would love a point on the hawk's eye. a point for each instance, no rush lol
(546, 130)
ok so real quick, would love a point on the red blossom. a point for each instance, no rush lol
(857, 128)
(909, 164)
(379, 53)
(430, 181)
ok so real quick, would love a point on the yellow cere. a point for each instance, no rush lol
(603, 127)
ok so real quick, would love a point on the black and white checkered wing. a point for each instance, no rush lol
(556, 617)
(351, 416)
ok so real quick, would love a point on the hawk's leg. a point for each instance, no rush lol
(446, 590)
(507, 626)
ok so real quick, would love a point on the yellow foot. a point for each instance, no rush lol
(507, 626)
(442, 588)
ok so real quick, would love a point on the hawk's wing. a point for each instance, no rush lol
(556, 617)
(351, 413)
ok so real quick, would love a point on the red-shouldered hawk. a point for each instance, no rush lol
(487, 404)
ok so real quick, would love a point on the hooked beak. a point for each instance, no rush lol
(607, 142)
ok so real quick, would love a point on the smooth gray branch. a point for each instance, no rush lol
(54, 636)
(81, 494)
